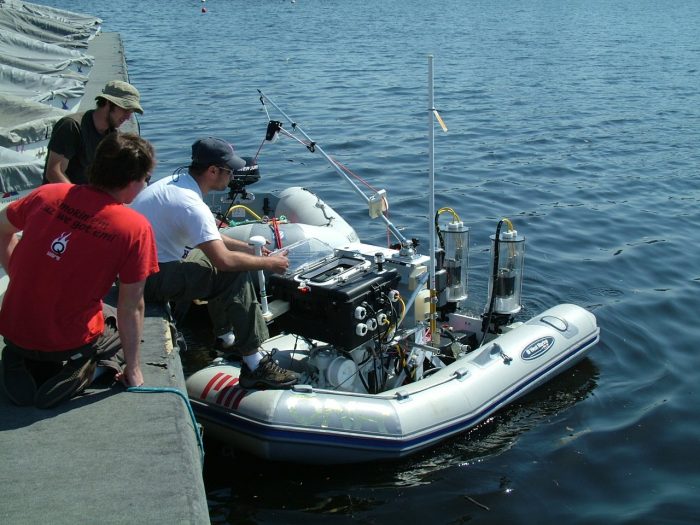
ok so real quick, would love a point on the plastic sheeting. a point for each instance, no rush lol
(40, 61)
(69, 17)
(24, 121)
(44, 28)
(19, 171)
(39, 88)
(26, 53)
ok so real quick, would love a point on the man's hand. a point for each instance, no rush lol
(278, 263)
(131, 376)
(130, 310)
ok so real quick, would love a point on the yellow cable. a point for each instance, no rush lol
(246, 208)
(403, 311)
(434, 334)
(450, 210)
(511, 246)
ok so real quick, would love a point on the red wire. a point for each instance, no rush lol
(276, 232)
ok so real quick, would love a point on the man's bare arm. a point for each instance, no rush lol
(8, 239)
(130, 311)
(236, 261)
(56, 166)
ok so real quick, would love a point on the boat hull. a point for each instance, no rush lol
(311, 425)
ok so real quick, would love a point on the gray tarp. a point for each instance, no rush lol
(42, 28)
(69, 17)
(38, 59)
(25, 122)
(19, 171)
(31, 55)
(38, 87)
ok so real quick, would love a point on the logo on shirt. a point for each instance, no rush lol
(58, 246)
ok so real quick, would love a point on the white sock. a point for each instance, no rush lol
(253, 360)
(227, 339)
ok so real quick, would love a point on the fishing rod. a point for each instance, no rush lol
(376, 202)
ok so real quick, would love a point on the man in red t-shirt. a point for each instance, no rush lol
(75, 242)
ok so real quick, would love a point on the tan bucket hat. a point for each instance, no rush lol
(123, 95)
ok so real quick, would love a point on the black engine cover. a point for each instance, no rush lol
(326, 311)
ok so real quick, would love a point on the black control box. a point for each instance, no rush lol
(322, 302)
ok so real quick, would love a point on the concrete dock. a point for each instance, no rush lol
(110, 64)
(108, 456)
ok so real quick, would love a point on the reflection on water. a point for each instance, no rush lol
(501, 431)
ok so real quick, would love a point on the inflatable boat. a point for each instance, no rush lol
(284, 218)
(390, 360)
(384, 401)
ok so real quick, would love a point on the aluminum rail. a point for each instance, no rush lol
(315, 147)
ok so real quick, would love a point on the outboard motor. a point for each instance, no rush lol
(247, 175)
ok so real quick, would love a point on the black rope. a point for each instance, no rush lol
(438, 232)
(487, 318)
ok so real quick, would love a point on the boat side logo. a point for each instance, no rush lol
(537, 348)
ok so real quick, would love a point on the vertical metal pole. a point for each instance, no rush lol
(431, 199)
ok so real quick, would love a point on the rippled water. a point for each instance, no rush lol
(579, 121)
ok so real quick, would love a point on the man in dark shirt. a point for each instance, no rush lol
(75, 137)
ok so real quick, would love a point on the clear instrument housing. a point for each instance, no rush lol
(507, 289)
(456, 263)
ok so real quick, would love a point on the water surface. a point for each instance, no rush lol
(579, 121)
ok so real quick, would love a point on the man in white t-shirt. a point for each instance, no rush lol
(198, 262)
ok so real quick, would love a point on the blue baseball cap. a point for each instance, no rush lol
(211, 151)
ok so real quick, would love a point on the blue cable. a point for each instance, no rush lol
(158, 390)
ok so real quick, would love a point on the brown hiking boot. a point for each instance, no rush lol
(73, 378)
(268, 374)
